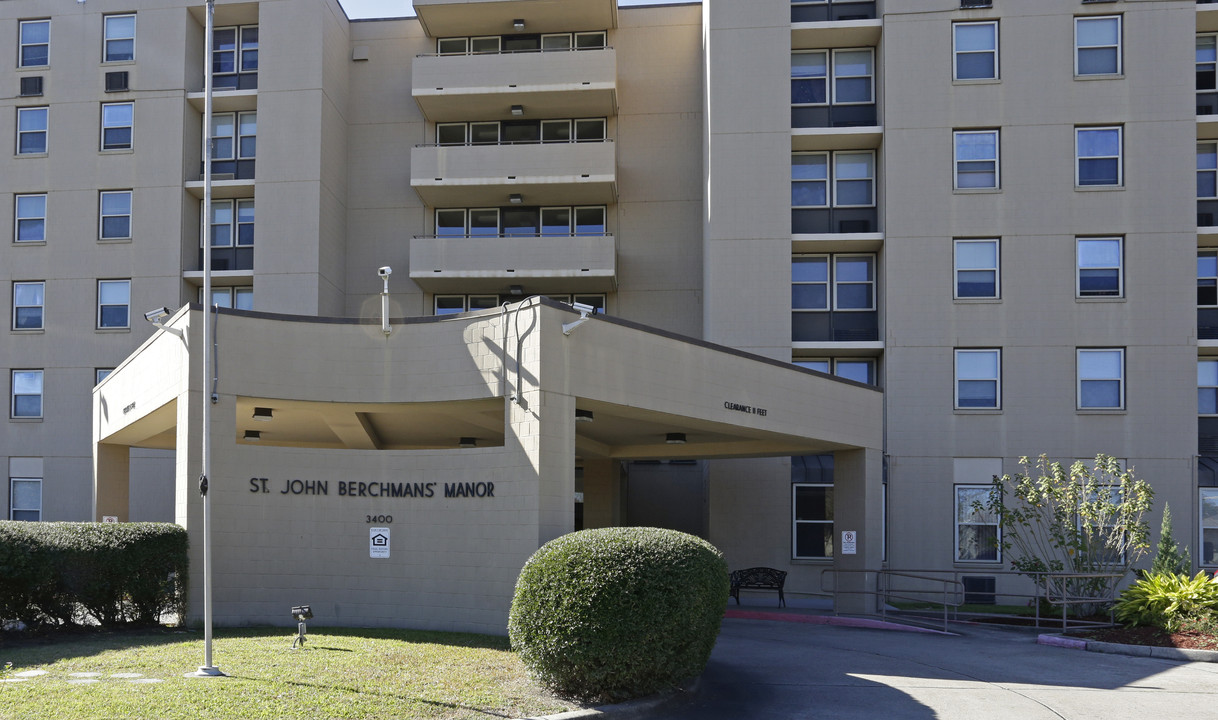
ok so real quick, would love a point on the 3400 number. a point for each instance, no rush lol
(379, 519)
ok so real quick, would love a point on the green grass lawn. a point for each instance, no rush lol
(344, 673)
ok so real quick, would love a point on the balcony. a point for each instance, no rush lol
(843, 327)
(832, 10)
(562, 173)
(446, 18)
(844, 34)
(546, 263)
(485, 86)
(845, 220)
(1207, 16)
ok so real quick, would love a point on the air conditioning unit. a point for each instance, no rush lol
(116, 81)
(31, 86)
(976, 3)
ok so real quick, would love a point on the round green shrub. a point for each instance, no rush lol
(611, 614)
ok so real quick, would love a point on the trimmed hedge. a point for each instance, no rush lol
(63, 573)
(616, 613)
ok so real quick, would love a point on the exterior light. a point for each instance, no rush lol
(252, 435)
(518, 23)
(515, 198)
(262, 414)
(515, 290)
(583, 415)
(675, 438)
(518, 110)
(301, 613)
(468, 442)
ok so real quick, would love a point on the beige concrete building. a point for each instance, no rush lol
(991, 212)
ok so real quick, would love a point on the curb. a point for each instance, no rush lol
(1162, 653)
(838, 620)
(641, 707)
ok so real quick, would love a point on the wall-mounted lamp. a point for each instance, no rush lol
(468, 442)
(515, 198)
(252, 435)
(518, 24)
(675, 438)
(518, 110)
(516, 290)
(584, 312)
(262, 414)
(583, 415)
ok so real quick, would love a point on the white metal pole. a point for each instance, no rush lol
(207, 669)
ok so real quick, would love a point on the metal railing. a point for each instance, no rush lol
(946, 589)
(525, 51)
(498, 143)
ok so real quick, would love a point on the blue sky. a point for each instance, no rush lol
(399, 8)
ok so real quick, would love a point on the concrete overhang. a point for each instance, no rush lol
(454, 18)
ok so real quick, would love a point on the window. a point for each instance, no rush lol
(119, 33)
(240, 298)
(1098, 151)
(27, 394)
(27, 305)
(1099, 267)
(850, 285)
(978, 379)
(452, 304)
(31, 130)
(857, 369)
(1207, 62)
(1207, 278)
(1207, 171)
(1101, 379)
(853, 179)
(31, 218)
(115, 215)
(594, 40)
(975, 51)
(34, 43)
(1097, 45)
(116, 125)
(25, 499)
(852, 70)
(100, 374)
(234, 57)
(1209, 526)
(1207, 386)
(812, 507)
(976, 268)
(976, 159)
(516, 221)
(113, 301)
(977, 530)
(232, 223)
(234, 136)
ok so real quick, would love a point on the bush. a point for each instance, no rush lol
(611, 614)
(63, 573)
(1166, 600)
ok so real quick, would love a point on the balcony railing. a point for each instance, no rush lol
(851, 326)
(825, 116)
(229, 258)
(817, 221)
(832, 10)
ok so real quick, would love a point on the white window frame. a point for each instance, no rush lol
(832, 283)
(964, 166)
(601, 37)
(1207, 43)
(13, 394)
(239, 49)
(482, 45)
(1207, 281)
(837, 178)
(102, 215)
(1207, 386)
(41, 304)
(957, 52)
(835, 77)
(463, 42)
(240, 297)
(44, 130)
(962, 492)
(464, 133)
(996, 378)
(107, 38)
(1207, 168)
(117, 125)
(22, 44)
(1119, 267)
(823, 181)
(18, 217)
(824, 78)
(575, 223)
(12, 503)
(234, 223)
(957, 269)
(1119, 378)
(102, 305)
(237, 151)
(577, 123)
(1202, 494)
(1079, 158)
(796, 521)
(561, 36)
(1079, 48)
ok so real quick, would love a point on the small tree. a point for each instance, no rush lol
(1169, 559)
(1087, 520)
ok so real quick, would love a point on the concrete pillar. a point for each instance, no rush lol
(555, 462)
(602, 494)
(858, 507)
(111, 481)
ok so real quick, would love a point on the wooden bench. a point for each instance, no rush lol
(758, 578)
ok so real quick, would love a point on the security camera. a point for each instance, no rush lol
(583, 309)
(385, 271)
(155, 316)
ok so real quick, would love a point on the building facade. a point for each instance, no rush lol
(986, 210)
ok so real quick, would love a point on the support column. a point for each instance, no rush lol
(858, 507)
(111, 481)
(602, 494)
